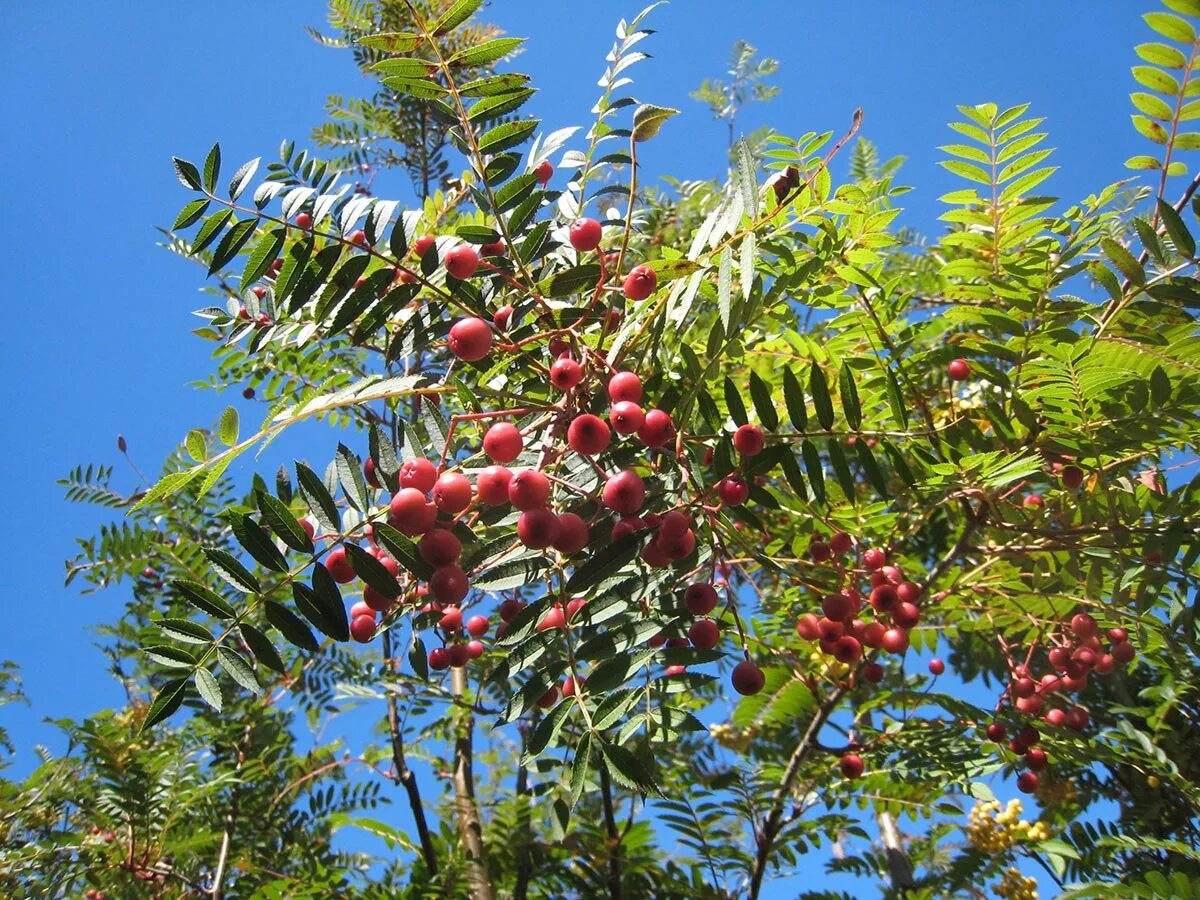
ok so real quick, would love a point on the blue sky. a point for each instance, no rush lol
(95, 98)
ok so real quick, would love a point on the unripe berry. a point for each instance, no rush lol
(588, 434)
(492, 485)
(657, 428)
(748, 440)
(640, 283)
(462, 261)
(851, 765)
(572, 534)
(625, 386)
(704, 634)
(624, 492)
(700, 598)
(419, 474)
(528, 489)
(626, 417)
(362, 628)
(1033, 501)
(470, 339)
(339, 566)
(503, 442)
(449, 584)
(733, 490)
(958, 370)
(565, 373)
(452, 492)
(537, 528)
(585, 234)
(439, 547)
(747, 678)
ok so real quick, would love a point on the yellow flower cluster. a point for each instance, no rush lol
(731, 738)
(994, 829)
(1053, 792)
(1015, 886)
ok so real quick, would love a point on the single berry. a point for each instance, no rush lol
(572, 534)
(359, 238)
(462, 261)
(555, 618)
(449, 584)
(304, 220)
(529, 489)
(419, 474)
(936, 667)
(423, 245)
(958, 370)
(339, 566)
(657, 428)
(410, 512)
(492, 485)
(439, 658)
(544, 172)
(588, 434)
(565, 373)
(439, 547)
(748, 440)
(704, 634)
(584, 234)
(1027, 782)
(1072, 477)
(640, 283)
(548, 699)
(451, 619)
(502, 318)
(733, 490)
(747, 678)
(362, 628)
(701, 598)
(477, 626)
(851, 765)
(1084, 626)
(624, 492)
(537, 528)
(503, 442)
(840, 542)
(626, 417)
(895, 640)
(377, 601)
(873, 672)
(874, 558)
(470, 339)
(494, 248)
(452, 492)
(625, 386)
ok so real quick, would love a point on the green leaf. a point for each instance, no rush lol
(228, 429)
(1178, 231)
(506, 135)
(725, 289)
(170, 656)
(486, 53)
(648, 119)
(1148, 128)
(285, 525)
(350, 476)
(196, 445)
(207, 688)
(822, 402)
(496, 85)
(204, 599)
(372, 571)
(454, 16)
(264, 252)
(841, 468)
(290, 626)
(746, 177)
(1156, 80)
(166, 701)
(547, 731)
(403, 550)
(232, 571)
(1125, 261)
(210, 229)
(188, 176)
(672, 269)
(262, 648)
(318, 499)
(241, 178)
(579, 767)
(235, 239)
(896, 400)
(1143, 163)
(1154, 107)
(514, 192)
(849, 392)
(190, 214)
(605, 562)
(760, 393)
(1172, 27)
(1161, 55)
(257, 541)
(793, 397)
(814, 469)
(870, 466)
(212, 168)
(236, 666)
(185, 631)
(1160, 387)
(570, 281)
(1188, 140)
(733, 400)
(628, 770)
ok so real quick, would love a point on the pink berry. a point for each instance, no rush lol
(462, 261)
(640, 283)
(585, 234)
(958, 370)
(503, 442)
(470, 339)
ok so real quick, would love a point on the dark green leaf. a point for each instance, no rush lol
(212, 168)
(207, 688)
(403, 550)
(185, 630)
(1180, 236)
(454, 16)
(262, 648)
(188, 176)
(236, 666)
(570, 281)
(285, 525)
(204, 599)
(257, 541)
(166, 701)
(793, 396)
(816, 473)
(372, 571)
(733, 400)
(289, 625)
(649, 119)
(231, 244)
(265, 251)
(232, 571)
(760, 393)
(190, 214)
(822, 402)
(606, 561)
(317, 497)
(849, 392)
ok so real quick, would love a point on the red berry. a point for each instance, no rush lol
(439, 658)
(588, 434)
(449, 584)
(748, 440)
(1072, 477)
(701, 598)
(411, 513)
(470, 339)
(1123, 652)
(626, 417)
(847, 650)
(1032, 501)
(936, 666)
(370, 474)
(477, 626)
(874, 558)
(462, 261)
(565, 373)
(574, 606)
(584, 234)
(361, 608)
(554, 618)
(304, 220)
(572, 534)
(1055, 717)
(458, 655)
(492, 485)
(362, 628)
(958, 370)
(568, 686)
(624, 492)
(1035, 759)
(502, 318)
(1027, 782)
(309, 528)
(872, 672)
(1077, 718)
(503, 442)
(640, 283)
(838, 607)
(747, 678)
(704, 634)
(819, 551)
(359, 238)
(654, 555)
(840, 542)
(733, 490)
(537, 528)
(544, 172)
(528, 489)
(452, 492)
(419, 474)
(851, 765)
(339, 566)
(439, 547)
(908, 592)
(474, 649)
(657, 428)
(375, 600)
(423, 245)
(625, 386)
(548, 699)
(1117, 635)
(806, 627)
(1084, 626)
(495, 248)
(872, 634)
(509, 609)
(895, 640)
(996, 732)
(905, 615)
(451, 619)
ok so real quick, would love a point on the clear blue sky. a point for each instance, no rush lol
(95, 98)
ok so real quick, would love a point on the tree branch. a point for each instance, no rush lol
(218, 883)
(614, 839)
(469, 828)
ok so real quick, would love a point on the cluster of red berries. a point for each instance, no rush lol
(1075, 653)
